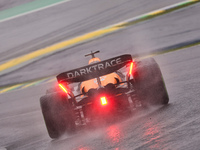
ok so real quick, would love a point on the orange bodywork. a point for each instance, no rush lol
(93, 84)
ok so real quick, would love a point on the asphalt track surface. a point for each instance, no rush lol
(175, 126)
(57, 24)
(5, 4)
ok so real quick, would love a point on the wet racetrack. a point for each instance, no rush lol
(174, 126)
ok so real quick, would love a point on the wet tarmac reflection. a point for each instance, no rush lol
(151, 135)
(115, 136)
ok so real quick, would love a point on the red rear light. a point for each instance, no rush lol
(63, 88)
(131, 68)
(103, 101)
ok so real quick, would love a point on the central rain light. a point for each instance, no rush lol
(103, 101)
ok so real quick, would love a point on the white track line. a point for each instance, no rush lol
(36, 10)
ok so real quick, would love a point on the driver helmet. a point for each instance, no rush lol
(94, 60)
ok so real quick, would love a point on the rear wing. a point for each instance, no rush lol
(95, 70)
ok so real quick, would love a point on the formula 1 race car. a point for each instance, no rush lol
(100, 91)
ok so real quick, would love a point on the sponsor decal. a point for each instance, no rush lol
(93, 68)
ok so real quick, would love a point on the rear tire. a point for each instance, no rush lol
(149, 84)
(58, 114)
